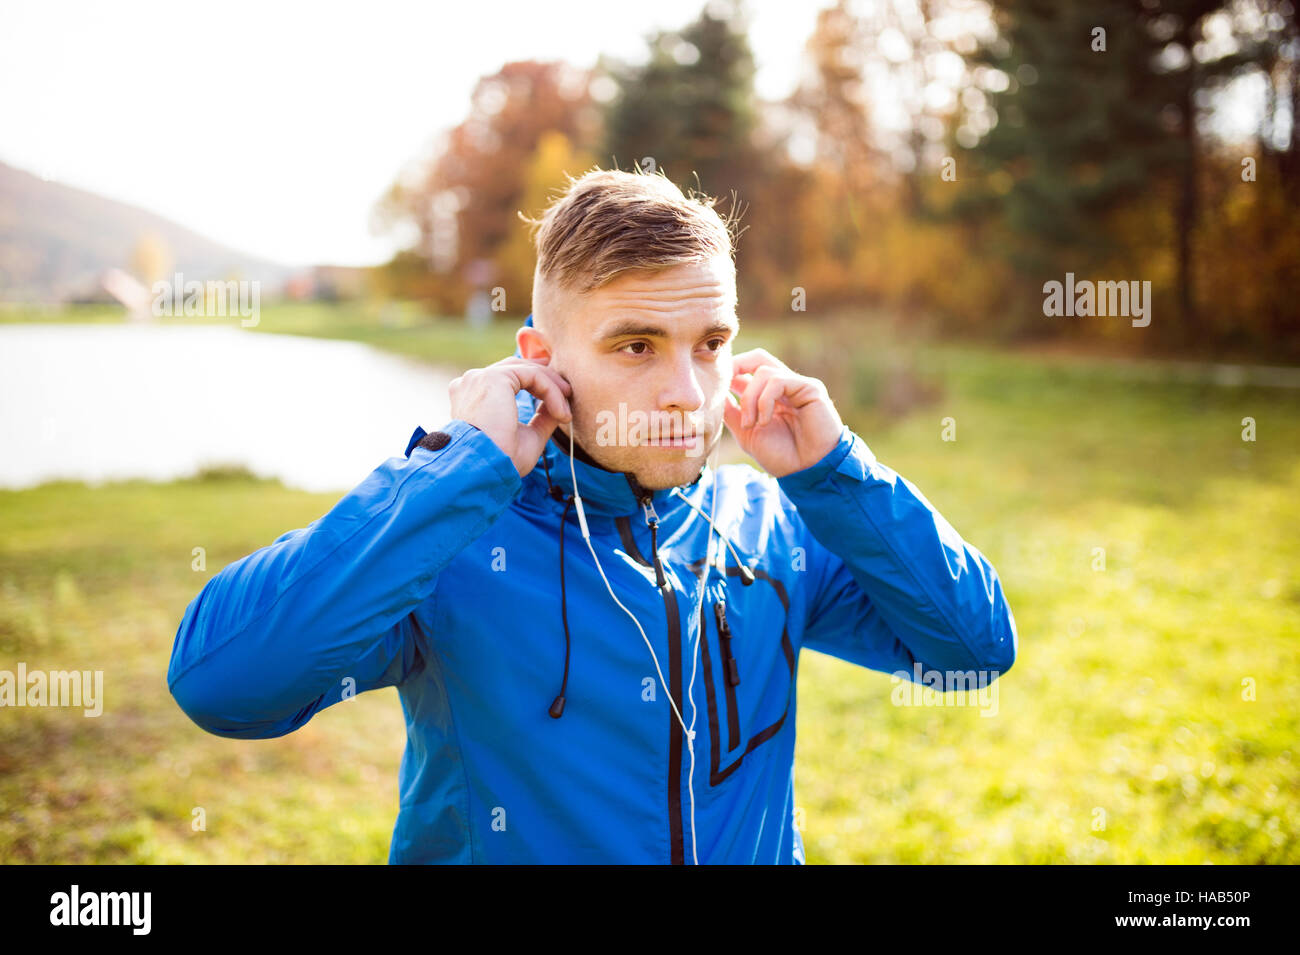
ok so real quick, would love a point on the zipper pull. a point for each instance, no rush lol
(724, 639)
(720, 615)
(652, 521)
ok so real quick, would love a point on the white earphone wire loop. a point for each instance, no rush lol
(709, 517)
(695, 651)
(699, 608)
(586, 534)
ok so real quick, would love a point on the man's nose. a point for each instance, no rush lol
(683, 392)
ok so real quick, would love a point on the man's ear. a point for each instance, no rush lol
(532, 343)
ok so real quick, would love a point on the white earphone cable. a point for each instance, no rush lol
(695, 651)
(689, 731)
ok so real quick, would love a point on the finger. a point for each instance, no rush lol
(767, 397)
(532, 437)
(543, 424)
(739, 382)
(749, 400)
(731, 414)
(757, 358)
(539, 363)
(559, 379)
(533, 377)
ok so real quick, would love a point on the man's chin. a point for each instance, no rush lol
(663, 475)
(658, 469)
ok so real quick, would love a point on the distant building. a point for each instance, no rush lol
(328, 283)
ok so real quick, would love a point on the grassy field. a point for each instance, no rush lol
(1152, 716)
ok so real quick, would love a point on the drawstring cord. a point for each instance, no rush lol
(746, 573)
(557, 707)
(730, 670)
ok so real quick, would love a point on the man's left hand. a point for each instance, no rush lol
(785, 422)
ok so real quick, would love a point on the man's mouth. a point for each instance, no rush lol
(690, 443)
(675, 441)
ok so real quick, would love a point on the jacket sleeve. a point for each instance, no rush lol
(893, 586)
(327, 611)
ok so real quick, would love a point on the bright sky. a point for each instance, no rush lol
(273, 127)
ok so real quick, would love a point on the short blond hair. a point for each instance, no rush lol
(609, 222)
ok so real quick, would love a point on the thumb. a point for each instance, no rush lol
(534, 435)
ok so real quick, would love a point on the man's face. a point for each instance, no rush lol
(649, 358)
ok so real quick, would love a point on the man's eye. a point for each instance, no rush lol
(720, 341)
(633, 345)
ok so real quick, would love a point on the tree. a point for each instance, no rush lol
(690, 108)
(473, 185)
(1099, 111)
(554, 158)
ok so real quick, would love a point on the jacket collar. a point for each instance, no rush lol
(604, 492)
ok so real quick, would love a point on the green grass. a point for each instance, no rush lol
(98, 579)
(1126, 703)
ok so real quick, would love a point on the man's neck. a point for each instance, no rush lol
(579, 453)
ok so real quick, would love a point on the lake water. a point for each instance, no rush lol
(107, 402)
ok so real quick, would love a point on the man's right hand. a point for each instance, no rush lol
(485, 398)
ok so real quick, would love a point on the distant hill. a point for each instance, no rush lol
(55, 241)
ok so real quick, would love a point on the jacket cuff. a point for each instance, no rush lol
(850, 457)
(457, 431)
(434, 441)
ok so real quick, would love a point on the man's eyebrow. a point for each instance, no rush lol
(632, 327)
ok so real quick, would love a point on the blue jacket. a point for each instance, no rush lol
(474, 593)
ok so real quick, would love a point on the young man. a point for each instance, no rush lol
(597, 652)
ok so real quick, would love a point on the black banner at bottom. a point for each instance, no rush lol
(335, 904)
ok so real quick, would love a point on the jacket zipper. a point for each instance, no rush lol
(676, 839)
(730, 674)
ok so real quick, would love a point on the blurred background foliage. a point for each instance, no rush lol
(940, 161)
